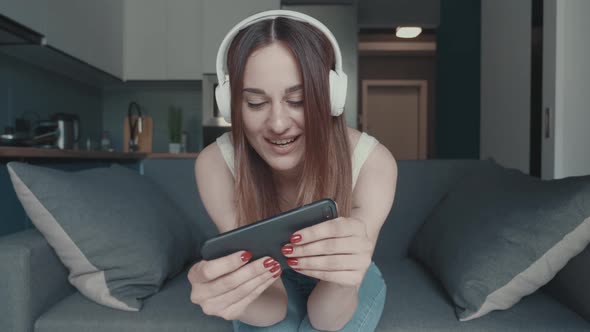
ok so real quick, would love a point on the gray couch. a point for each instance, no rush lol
(35, 294)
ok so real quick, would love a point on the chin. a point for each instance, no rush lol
(283, 164)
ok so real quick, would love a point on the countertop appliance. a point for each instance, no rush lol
(60, 131)
(54, 134)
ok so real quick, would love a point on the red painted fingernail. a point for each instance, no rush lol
(278, 274)
(292, 261)
(296, 269)
(287, 249)
(269, 262)
(295, 238)
(246, 256)
(275, 269)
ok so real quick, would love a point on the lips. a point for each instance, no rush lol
(283, 145)
(283, 141)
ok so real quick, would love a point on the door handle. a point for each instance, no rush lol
(547, 122)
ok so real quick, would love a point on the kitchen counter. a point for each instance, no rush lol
(7, 152)
(166, 155)
(28, 152)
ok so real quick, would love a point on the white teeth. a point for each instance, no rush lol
(283, 141)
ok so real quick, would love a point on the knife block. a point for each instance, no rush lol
(145, 138)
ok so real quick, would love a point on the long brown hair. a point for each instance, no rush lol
(327, 170)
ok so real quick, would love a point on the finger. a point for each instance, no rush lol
(201, 292)
(235, 279)
(349, 278)
(220, 302)
(339, 227)
(348, 245)
(213, 269)
(234, 310)
(331, 263)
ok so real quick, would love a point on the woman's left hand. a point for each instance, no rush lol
(336, 250)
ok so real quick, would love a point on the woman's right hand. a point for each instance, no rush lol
(225, 286)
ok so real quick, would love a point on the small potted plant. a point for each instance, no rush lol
(174, 128)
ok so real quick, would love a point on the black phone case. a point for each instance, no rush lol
(266, 237)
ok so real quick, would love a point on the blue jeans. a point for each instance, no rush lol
(366, 317)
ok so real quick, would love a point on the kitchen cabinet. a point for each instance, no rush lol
(30, 13)
(90, 31)
(144, 40)
(184, 39)
(104, 40)
(221, 15)
(162, 39)
(178, 39)
(137, 39)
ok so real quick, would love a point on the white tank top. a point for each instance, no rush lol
(361, 152)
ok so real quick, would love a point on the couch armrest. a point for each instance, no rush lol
(32, 279)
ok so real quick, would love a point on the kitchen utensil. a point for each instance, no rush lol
(143, 139)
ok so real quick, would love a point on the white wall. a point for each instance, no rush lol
(505, 82)
(571, 89)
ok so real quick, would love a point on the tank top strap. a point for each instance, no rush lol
(362, 150)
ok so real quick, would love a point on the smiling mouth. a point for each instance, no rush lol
(284, 142)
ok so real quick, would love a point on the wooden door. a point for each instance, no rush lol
(394, 112)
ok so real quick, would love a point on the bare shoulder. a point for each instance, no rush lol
(209, 156)
(215, 184)
(382, 159)
(380, 153)
(210, 163)
(380, 166)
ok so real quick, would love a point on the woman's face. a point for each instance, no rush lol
(272, 107)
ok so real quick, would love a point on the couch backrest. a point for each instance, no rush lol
(177, 178)
(570, 285)
(420, 186)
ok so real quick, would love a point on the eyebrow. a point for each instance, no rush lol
(287, 90)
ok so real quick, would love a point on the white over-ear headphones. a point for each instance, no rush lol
(338, 79)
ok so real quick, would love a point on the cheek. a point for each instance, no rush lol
(249, 119)
(253, 123)
(300, 119)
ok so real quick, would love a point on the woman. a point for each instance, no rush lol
(288, 147)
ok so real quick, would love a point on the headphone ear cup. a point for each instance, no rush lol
(338, 85)
(223, 98)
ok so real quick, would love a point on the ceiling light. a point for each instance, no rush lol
(408, 32)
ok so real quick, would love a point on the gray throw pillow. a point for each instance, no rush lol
(117, 233)
(499, 235)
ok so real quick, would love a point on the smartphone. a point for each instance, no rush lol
(266, 237)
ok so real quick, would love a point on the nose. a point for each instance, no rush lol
(279, 120)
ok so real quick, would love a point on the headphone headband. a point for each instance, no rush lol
(337, 78)
(270, 14)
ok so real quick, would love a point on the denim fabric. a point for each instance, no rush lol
(366, 317)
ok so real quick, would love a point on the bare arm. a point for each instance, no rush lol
(269, 308)
(330, 306)
(216, 188)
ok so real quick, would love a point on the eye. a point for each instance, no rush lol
(256, 105)
(295, 103)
